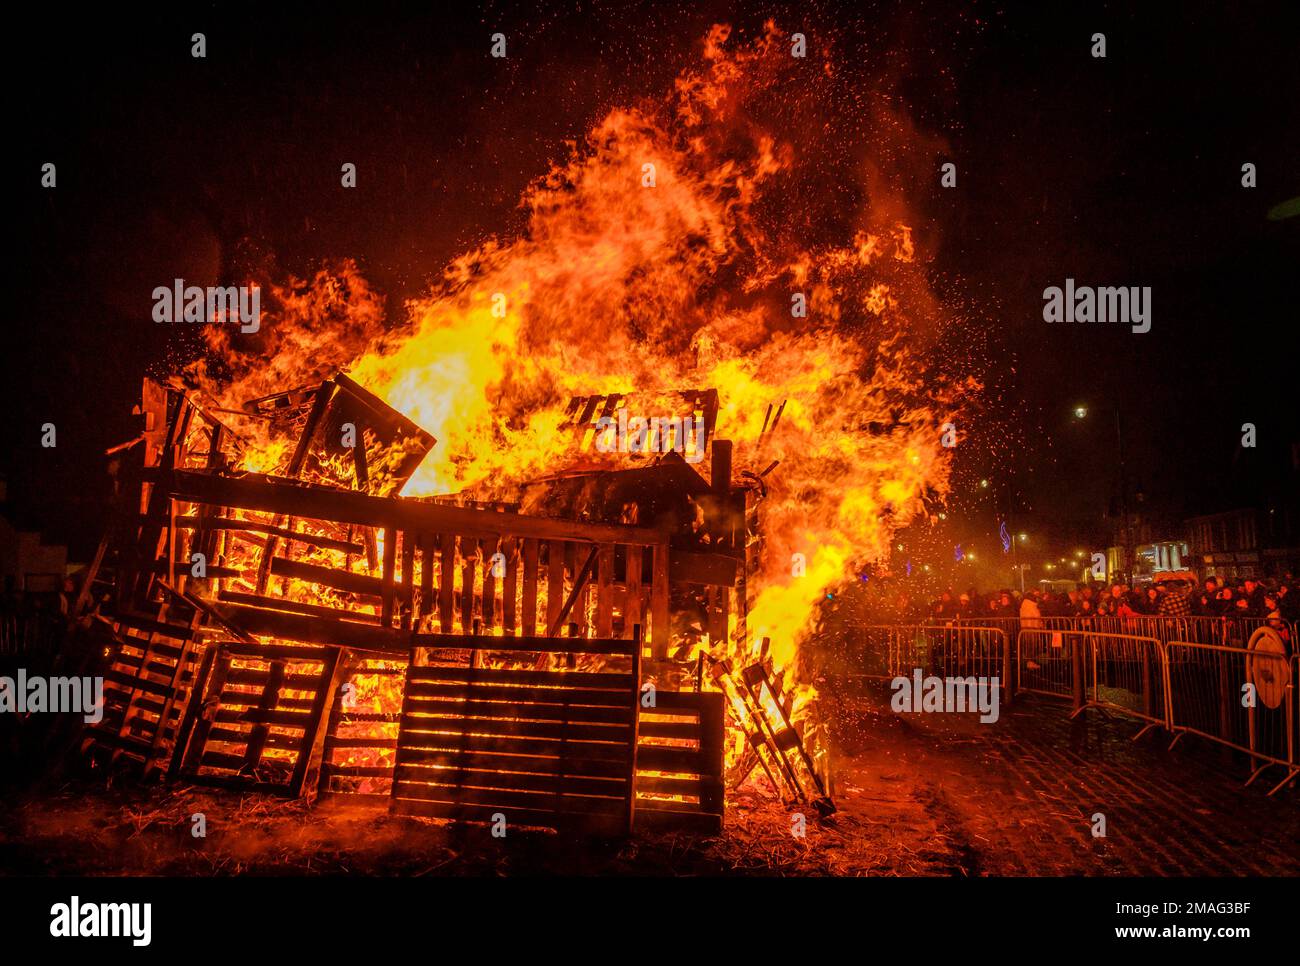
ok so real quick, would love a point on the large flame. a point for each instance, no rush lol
(674, 248)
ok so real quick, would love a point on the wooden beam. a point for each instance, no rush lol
(289, 497)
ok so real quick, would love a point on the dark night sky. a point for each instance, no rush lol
(1120, 171)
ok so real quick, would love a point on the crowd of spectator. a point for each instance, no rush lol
(1270, 599)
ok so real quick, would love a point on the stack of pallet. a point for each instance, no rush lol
(294, 633)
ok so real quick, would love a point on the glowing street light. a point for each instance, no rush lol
(1080, 412)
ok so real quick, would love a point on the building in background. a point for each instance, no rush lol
(1247, 542)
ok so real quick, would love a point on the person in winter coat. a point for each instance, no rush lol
(1031, 617)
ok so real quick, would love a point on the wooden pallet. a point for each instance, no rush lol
(680, 763)
(257, 723)
(439, 567)
(148, 677)
(680, 754)
(541, 748)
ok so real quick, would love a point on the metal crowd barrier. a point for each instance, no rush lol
(1185, 674)
(1123, 673)
(887, 651)
(1227, 630)
(1237, 697)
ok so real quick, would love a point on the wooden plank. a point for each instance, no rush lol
(478, 691)
(329, 577)
(545, 712)
(524, 764)
(677, 730)
(387, 594)
(297, 607)
(489, 548)
(313, 741)
(605, 592)
(292, 498)
(659, 614)
(712, 751)
(636, 712)
(549, 645)
(233, 710)
(427, 567)
(256, 650)
(634, 606)
(192, 711)
(258, 678)
(660, 785)
(499, 675)
(555, 565)
(261, 727)
(469, 555)
(447, 583)
(542, 747)
(299, 627)
(551, 784)
(574, 610)
(252, 526)
(530, 565)
(407, 595)
(215, 683)
(452, 724)
(672, 816)
(510, 588)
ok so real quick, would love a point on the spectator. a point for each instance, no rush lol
(1175, 602)
(1204, 604)
(1030, 615)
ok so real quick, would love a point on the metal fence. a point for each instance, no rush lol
(887, 651)
(1239, 697)
(1190, 675)
(1200, 630)
(1121, 672)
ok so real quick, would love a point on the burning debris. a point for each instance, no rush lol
(315, 633)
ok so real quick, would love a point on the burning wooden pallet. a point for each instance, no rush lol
(247, 613)
(680, 762)
(255, 723)
(501, 740)
(148, 677)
